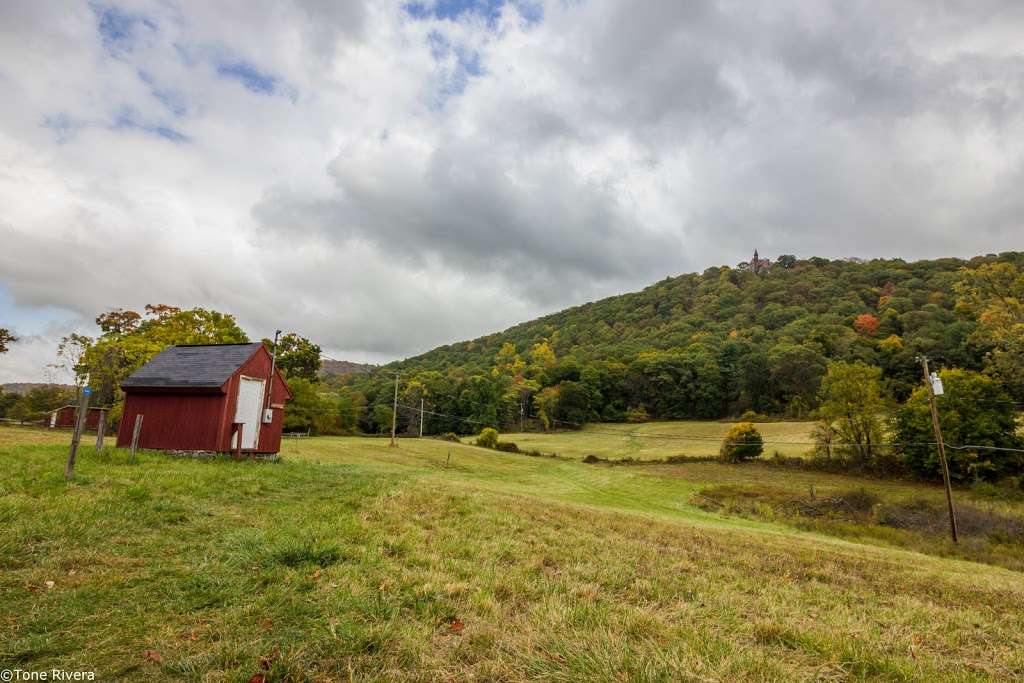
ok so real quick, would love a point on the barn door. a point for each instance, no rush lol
(249, 411)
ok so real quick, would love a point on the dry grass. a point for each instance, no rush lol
(352, 561)
(659, 440)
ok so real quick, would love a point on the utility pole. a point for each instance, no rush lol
(394, 414)
(269, 398)
(942, 446)
(421, 417)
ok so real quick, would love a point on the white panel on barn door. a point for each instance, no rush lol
(249, 411)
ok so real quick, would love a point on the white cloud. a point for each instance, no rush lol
(384, 182)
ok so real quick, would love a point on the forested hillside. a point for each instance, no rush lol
(720, 343)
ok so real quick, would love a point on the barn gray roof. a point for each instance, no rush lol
(192, 366)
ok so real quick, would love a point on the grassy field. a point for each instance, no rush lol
(658, 440)
(349, 560)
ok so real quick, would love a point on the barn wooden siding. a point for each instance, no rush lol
(66, 418)
(182, 421)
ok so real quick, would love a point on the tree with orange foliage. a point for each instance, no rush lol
(866, 324)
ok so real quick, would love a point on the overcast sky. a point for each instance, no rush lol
(390, 176)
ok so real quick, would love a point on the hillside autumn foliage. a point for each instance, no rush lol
(723, 342)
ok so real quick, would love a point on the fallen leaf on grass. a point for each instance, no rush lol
(257, 678)
(49, 584)
(152, 656)
(457, 625)
(316, 574)
(267, 623)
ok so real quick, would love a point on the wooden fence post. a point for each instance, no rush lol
(135, 435)
(101, 428)
(76, 436)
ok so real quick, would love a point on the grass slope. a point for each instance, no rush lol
(353, 561)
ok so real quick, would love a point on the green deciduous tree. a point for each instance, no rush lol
(302, 410)
(323, 412)
(546, 401)
(855, 405)
(37, 403)
(351, 407)
(973, 411)
(994, 294)
(796, 372)
(7, 399)
(6, 338)
(296, 356)
(382, 418)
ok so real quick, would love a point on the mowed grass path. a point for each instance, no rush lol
(352, 561)
(659, 440)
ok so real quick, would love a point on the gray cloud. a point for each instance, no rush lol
(428, 179)
(536, 222)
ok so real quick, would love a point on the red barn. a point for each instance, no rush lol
(64, 418)
(199, 398)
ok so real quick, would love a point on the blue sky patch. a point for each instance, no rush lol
(248, 75)
(173, 100)
(452, 80)
(227, 65)
(128, 119)
(120, 30)
(468, 61)
(453, 10)
(29, 319)
(62, 124)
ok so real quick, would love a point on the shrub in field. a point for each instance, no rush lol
(488, 438)
(507, 447)
(743, 442)
(451, 436)
(637, 414)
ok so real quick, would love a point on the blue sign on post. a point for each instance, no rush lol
(87, 391)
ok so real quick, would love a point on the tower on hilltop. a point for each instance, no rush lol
(760, 265)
